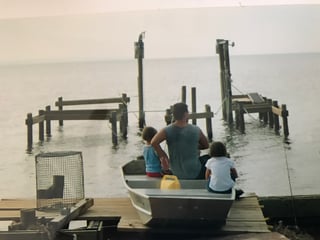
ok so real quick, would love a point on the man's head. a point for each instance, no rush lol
(179, 110)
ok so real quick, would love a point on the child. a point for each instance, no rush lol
(153, 163)
(220, 171)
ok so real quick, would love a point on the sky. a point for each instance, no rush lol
(84, 30)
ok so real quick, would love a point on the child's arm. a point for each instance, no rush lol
(233, 173)
(208, 173)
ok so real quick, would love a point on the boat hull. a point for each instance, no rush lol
(190, 205)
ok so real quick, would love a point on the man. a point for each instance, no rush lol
(184, 141)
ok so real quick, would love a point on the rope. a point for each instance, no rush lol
(290, 186)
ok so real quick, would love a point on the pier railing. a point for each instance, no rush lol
(114, 115)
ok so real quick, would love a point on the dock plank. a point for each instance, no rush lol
(245, 214)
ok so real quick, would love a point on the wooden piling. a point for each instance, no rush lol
(125, 110)
(123, 121)
(168, 116)
(276, 118)
(114, 128)
(241, 117)
(222, 48)
(184, 94)
(29, 123)
(265, 114)
(48, 122)
(194, 104)
(41, 127)
(60, 107)
(285, 114)
(270, 114)
(139, 54)
(209, 123)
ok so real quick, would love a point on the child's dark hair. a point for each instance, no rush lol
(148, 133)
(218, 149)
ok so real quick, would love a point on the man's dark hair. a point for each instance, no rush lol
(178, 110)
(218, 149)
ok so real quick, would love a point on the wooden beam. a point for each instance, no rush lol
(92, 101)
(94, 114)
(201, 115)
(277, 110)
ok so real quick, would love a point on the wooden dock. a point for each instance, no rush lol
(245, 216)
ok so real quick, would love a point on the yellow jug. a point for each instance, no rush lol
(170, 182)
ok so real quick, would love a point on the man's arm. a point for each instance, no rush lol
(203, 142)
(155, 142)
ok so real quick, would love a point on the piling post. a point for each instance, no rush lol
(114, 128)
(48, 122)
(265, 114)
(209, 123)
(237, 115)
(139, 54)
(270, 114)
(168, 116)
(123, 124)
(125, 109)
(29, 123)
(60, 107)
(276, 118)
(41, 127)
(184, 94)
(222, 48)
(285, 114)
(194, 104)
(241, 118)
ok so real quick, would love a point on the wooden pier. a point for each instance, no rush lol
(269, 111)
(114, 115)
(245, 216)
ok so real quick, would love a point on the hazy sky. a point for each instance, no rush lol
(46, 30)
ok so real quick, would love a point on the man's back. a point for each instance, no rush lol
(183, 150)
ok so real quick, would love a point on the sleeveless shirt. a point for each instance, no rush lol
(183, 148)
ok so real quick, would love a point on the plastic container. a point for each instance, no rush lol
(170, 182)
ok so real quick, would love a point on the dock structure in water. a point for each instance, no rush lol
(245, 216)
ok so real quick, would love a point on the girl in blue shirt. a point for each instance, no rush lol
(153, 163)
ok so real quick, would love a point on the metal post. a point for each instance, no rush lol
(139, 54)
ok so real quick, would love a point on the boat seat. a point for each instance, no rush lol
(141, 178)
(185, 193)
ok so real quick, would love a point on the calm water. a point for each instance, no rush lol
(266, 165)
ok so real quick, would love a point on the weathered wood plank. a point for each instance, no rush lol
(277, 110)
(92, 101)
(94, 114)
(17, 204)
(201, 115)
(245, 214)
